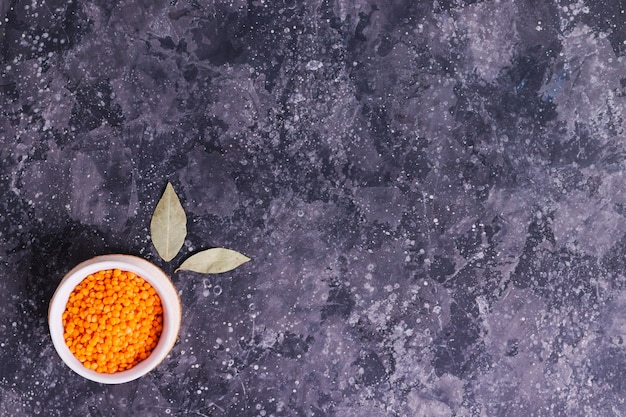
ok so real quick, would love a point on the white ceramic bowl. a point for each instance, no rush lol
(170, 302)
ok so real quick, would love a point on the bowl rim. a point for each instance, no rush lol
(170, 301)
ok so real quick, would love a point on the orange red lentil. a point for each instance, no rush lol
(112, 321)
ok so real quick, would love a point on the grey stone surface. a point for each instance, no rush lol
(432, 193)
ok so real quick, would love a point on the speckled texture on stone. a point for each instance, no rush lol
(432, 193)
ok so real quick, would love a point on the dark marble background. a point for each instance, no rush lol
(432, 192)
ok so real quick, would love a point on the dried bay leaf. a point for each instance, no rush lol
(168, 227)
(214, 261)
